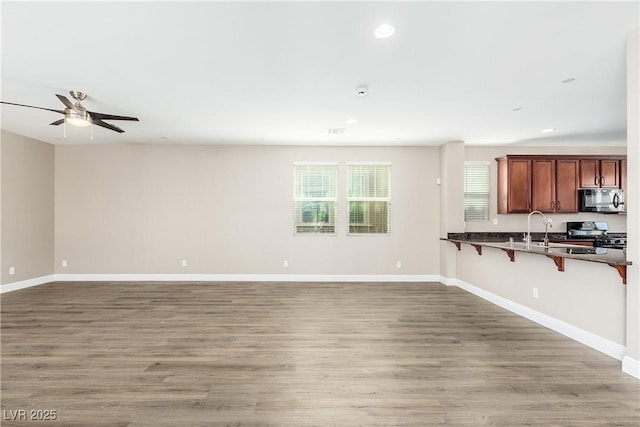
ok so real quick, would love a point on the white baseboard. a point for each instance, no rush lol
(631, 366)
(218, 278)
(590, 339)
(248, 277)
(23, 284)
(447, 281)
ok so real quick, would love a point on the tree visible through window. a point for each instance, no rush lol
(476, 191)
(315, 198)
(368, 194)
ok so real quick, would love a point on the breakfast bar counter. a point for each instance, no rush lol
(556, 251)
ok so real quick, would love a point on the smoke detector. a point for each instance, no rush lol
(361, 91)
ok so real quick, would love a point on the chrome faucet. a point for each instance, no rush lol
(547, 224)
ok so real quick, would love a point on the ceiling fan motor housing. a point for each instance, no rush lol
(77, 95)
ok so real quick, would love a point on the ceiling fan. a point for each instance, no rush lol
(77, 115)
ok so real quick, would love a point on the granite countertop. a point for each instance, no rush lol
(517, 236)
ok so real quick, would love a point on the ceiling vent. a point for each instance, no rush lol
(335, 131)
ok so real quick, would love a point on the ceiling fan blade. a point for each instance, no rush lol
(32, 106)
(67, 103)
(100, 123)
(57, 122)
(102, 116)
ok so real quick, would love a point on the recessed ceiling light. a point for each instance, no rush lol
(383, 31)
(351, 121)
(569, 80)
(547, 130)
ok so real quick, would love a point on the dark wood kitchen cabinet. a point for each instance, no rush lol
(554, 186)
(543, 185)
(538, 182)
(550, 184)
(567, 178)
(514, 185)
(599, 173)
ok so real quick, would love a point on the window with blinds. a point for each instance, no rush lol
(476, 191)
(369, 198)
(315, 198)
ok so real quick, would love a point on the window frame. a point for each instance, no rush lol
(368, 199)
(315, 228)
(477, 198)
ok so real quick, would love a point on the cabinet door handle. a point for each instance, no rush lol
(595, 180)
(553, 205)
(558, 205)
(601, 180)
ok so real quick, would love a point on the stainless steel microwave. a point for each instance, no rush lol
(605, 200)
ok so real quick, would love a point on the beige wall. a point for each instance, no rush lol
(228, 210)
(518, 222)
(27, 207)
(588, 295)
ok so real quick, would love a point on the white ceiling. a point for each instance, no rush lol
(286, 72)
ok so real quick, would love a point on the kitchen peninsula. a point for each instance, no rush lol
(557, 250)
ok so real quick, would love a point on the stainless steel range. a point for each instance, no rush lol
(597, 231)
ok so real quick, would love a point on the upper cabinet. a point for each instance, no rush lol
(543, 185)
(567, 176)
(599, 173)
(514, 185)
(554, 186)
(550, 184)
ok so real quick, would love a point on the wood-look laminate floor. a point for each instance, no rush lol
(295, 354)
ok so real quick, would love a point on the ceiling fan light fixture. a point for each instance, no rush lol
(76, 119)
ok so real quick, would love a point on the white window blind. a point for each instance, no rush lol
(369, 197)
(315, 198)
(476, 191)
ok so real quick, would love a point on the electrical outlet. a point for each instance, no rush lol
(184, 262)
(536, 293)
(398, 264)
(495, 221)
(12, 271)
(64, 262)
(285, 263)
